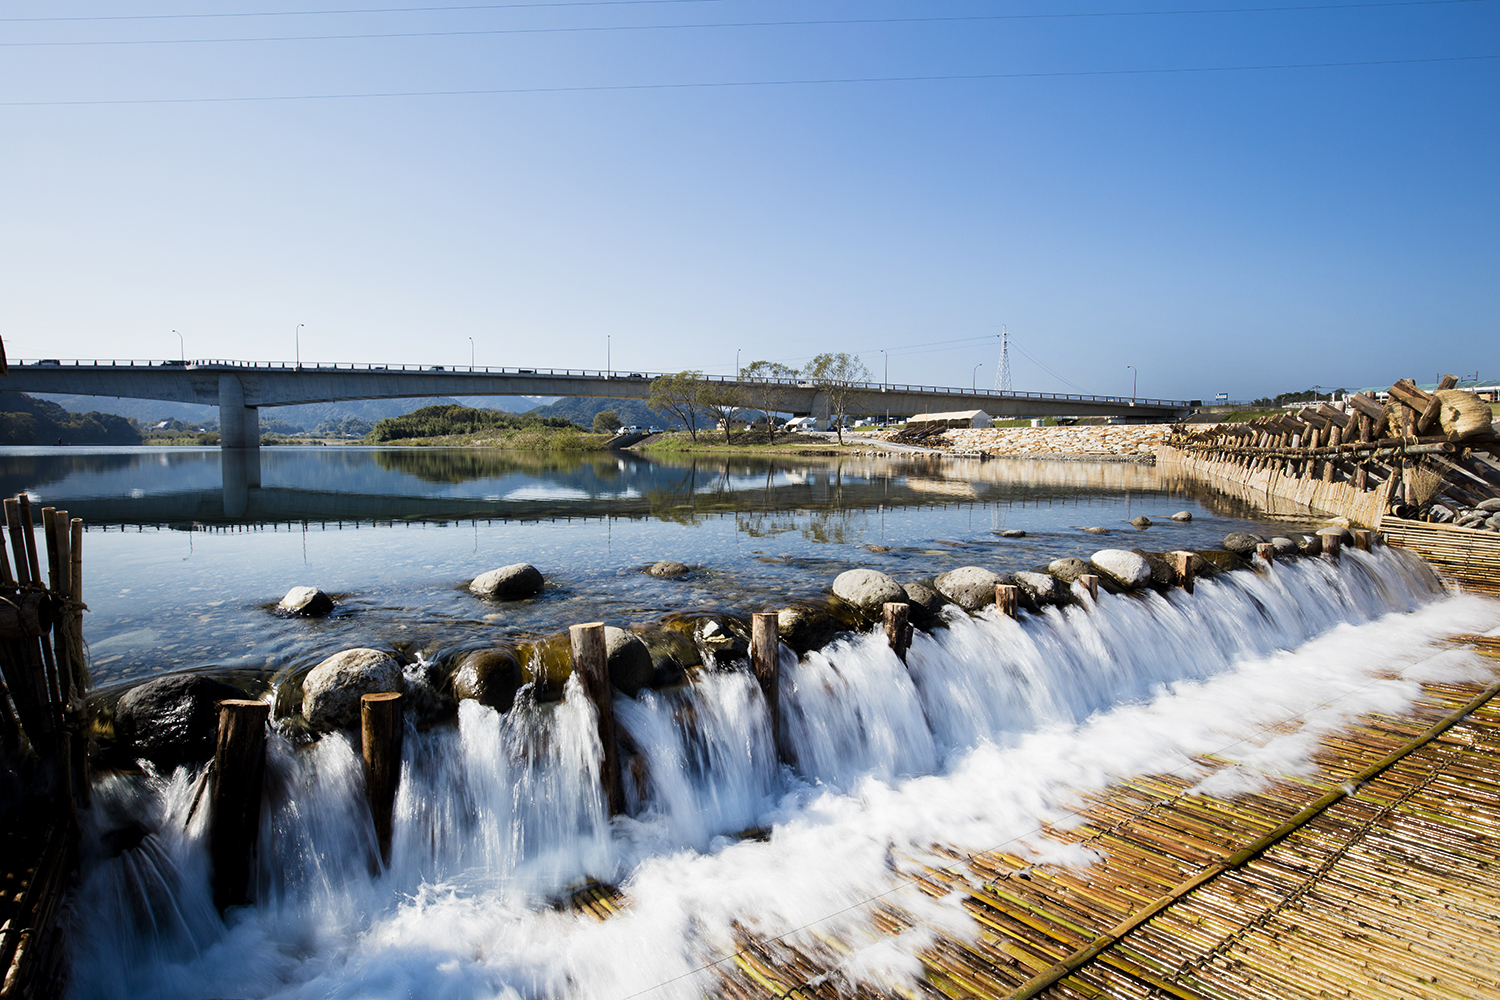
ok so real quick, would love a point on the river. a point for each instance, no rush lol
(992, 728)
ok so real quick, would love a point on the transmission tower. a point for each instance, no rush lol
(1002, 370)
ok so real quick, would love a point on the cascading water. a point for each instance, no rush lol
(987, 730)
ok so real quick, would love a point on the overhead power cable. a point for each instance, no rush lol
(84, 18)
(737, 84)
(691, 26)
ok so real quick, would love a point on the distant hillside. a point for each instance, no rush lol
(27, 420)
(582, 409)
(307, 415)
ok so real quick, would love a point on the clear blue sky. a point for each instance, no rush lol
(1238, 230)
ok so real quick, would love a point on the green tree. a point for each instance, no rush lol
(767, 383)
(607, 422)
(721, 401)
(681, 396)
(840, 378)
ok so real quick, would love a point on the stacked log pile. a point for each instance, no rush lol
(44, 776)
(1421, 456)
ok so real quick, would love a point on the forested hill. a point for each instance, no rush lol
(26, 420)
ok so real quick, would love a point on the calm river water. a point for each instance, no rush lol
(184, 558)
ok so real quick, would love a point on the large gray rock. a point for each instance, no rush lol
(172, 720)
(1096, 530)
(1141, 522)
(804, 628)
(926, 603)
(1344, 534)
(1043, 588)
(669, 570)
(489, 676)
(508, 583)
(1068, 570)
(1492, 506)
(629, 660)
(1183, 515)
(970, 587)
(1308, 545)
(1493, 522)
(1012, 533)
(867, 589)
(309, 602)
(1284, 546)
(1122, 566)
(331, 690)
(1242, 543)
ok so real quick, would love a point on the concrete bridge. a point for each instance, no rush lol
(240, 388)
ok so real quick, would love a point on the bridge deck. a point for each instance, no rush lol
(1386, 892)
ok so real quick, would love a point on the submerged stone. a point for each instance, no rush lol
(508, 583)
(309, 602)
(489, 676)
(172, 720)
(1122, 566)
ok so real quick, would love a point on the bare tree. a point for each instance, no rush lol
(720, 400)
(839, 377)
(679, 395)
(768, 382)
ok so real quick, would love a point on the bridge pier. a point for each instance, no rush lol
(239, 425)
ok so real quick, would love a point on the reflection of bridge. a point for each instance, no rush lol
(198, 489)
(240, 388)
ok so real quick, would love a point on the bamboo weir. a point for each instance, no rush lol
(1373, 877)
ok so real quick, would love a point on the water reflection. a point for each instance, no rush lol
(184, 488)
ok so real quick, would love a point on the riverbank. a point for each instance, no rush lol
(1118, 442)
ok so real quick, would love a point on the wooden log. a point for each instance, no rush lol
(1331, 545)
(381, 732)
(591, 663)
(1182, 565)
(1333, 415)
(1007, 599)
(1362, 539)
(1430, 414)
(1366, 406)
(1366, 424)
(234, 820)
(765, 661)
(1266, 551)
(1090, 583)
(897, 627)
(1447, 382)
(1406, 391)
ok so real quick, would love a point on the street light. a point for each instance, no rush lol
(471, 354)
(1134, 376)
(974, 377)
(736, 364)
(297, 333)
(608, 364)
(180, 348)
(887, 359)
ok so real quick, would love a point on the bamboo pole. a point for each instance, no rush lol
(234, 820)
(381, 730)
(591, 663)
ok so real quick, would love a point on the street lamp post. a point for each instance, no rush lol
(297, 333)
(608, 362)
(736, 364)
(182, 351)
(471, 354)
(974, 377)
(1134, 376)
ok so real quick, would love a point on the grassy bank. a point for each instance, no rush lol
(743, 443)
(525, 439)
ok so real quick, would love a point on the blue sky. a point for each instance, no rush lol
(1239, 230)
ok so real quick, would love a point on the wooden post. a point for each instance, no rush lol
(1331, 544)
(1182, 563)
(381, 732)
(1266, 551)
(1090, 583)
(1362, 539)
(1007, 599)
(765, 658)
(234, 820)
(898, 627)
(591, 662)
(82, 781)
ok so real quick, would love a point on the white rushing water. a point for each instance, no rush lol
(993, 727)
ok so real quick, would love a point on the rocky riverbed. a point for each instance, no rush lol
(1123, 440)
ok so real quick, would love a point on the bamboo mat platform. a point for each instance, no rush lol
(1470, 558)
(1378, 877)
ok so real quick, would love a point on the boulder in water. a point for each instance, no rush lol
(1012, 533)
(1163, 573)
(508, 583)
(1068, 570)
(1222, 560)
(666, 569)
(1284, 546)
(1183, 515)
(867, 590)
(1043, 588)
(172, 720)
(489, 676)
(429, 691)
(630, 667)
(970, 587)
(1308, 545)
(1097, 531)
(308, 602)
(1242, 543)
(1141, 522)
(805, 628)
(331, 690)
(1122, 566)
(1345, 536)
(926, 603)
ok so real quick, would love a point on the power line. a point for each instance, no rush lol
(736, 84)
(635, 3)
(701, 25)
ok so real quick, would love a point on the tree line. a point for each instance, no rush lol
(764, 386)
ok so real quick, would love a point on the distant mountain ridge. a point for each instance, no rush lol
(304, 415)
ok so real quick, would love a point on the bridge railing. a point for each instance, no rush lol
(979, 395)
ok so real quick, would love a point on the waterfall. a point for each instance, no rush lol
(989, 727)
